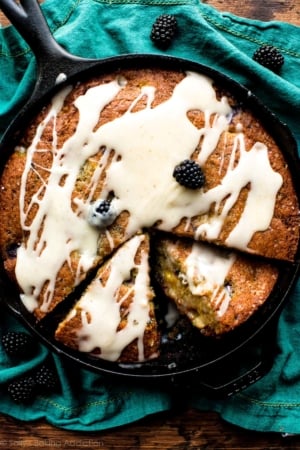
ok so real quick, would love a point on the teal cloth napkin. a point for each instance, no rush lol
(98, 28)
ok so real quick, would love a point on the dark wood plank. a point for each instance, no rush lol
(176, 430)
(287, 10)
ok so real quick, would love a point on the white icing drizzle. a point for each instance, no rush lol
(206, 271)
(103, 308)
(151, 142)
(56, 230)
(147, 145)
(253, 167)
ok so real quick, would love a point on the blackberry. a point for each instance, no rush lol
(163, 30)
(18, 343)
(22, 390)
(103, 207)
(12, 250)
(102, 213)
(189, 174)
(46, 378)
(269, 57)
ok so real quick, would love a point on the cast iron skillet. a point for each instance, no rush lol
(223, 366)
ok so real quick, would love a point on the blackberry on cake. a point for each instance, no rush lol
(102, 213)
(189, 174)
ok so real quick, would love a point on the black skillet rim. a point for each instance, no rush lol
(240, 337)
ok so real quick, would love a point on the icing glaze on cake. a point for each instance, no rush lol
(215, 288)
(116, 308)
(95, 169)
(99, 304)
(147, 144)
(206, 270)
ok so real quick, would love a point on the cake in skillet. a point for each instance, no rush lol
(97, 166)
(114, 319)
(216, 288)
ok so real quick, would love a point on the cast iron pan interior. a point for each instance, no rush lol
(186, 354)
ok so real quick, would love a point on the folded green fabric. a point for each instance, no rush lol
(98, 29)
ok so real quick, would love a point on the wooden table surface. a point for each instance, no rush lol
(180, 429)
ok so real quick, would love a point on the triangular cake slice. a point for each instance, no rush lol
(115, 319)
(216, 289)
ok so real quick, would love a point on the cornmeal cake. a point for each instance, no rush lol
(137, 151)
(115, 318)
(216, 288)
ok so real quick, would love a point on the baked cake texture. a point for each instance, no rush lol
(96, 167)
(115, 316)
(216, 288)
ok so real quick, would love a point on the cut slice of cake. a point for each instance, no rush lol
(115, 318)
(216, 289)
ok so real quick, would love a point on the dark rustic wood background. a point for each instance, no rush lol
(174, 430)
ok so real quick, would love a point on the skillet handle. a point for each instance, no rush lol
(234, 372)
(52, 59)
(256, 360)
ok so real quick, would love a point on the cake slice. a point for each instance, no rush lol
(216, 289)
(115, 319)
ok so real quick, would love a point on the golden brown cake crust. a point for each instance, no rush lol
(249, 283)
(279, 240)
(11, 233)
(69, 328)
